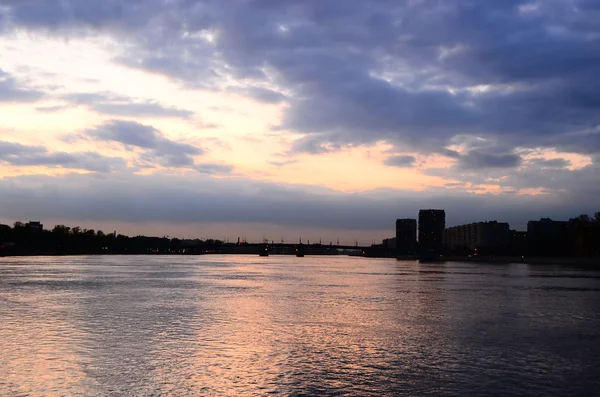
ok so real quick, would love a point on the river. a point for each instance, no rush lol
(247, 326)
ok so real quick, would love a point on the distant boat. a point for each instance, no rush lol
(300, 252)
(264, 251)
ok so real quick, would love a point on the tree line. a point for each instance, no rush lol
(584, 235)
(27, 239)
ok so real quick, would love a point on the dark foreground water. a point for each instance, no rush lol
(246, 326)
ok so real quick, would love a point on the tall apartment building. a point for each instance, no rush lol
(431, 229)
(406, 236)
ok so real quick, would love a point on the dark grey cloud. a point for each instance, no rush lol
(585, 142)
(400, 161)
(158, 148)
(551, 163)
(211, 168)
(129, 133)
(57, 14)
(309, 145)
(16, 154)
(118, 105)
(262, 94)
(155, 147)
(12, 91)
(314, 145)
(481, 159)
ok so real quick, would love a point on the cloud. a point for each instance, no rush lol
(11, 91)
(283, 163)
(481, 159)
(412, 74)
(209, 126)
(156, 148)
(56, 14)
(129, 133)
(51, 109)
(135, 135)
(210, 168)
(400, 161)
(140, 110)
(549, 176)
(262, 94)
(118, 105)
(551, 163)
(312, 145)
(15, 154)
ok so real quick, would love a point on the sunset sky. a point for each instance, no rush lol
(319, 118)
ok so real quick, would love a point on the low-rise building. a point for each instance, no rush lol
(518, 243)
(34, 225)
(484, 237)
(389, 243)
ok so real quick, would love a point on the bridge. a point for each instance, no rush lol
(266, 249)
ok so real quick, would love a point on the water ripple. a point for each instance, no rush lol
(242, 326)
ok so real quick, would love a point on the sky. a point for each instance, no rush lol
(316, 118)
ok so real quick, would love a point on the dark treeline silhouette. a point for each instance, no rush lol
(584, 235)
(578, 237)
(32, 239)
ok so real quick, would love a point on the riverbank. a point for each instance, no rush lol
(528, 260)
(473, 259)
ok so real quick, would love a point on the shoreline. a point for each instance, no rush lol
(525, 260)
(472, 259)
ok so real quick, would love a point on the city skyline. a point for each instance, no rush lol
(426, 227)
(258, 231)
(427, 238)
(316, 119)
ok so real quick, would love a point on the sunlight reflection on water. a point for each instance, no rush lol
(243, 325)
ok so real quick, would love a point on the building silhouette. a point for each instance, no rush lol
(548, 238)
(431, 231)
(389, 243)
(584, 236)
(517, 243)
(480, 238)
(31, 225)
(406, 236)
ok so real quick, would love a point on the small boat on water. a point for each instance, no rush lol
(264, 251)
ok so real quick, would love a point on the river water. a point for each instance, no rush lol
(247, 326)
